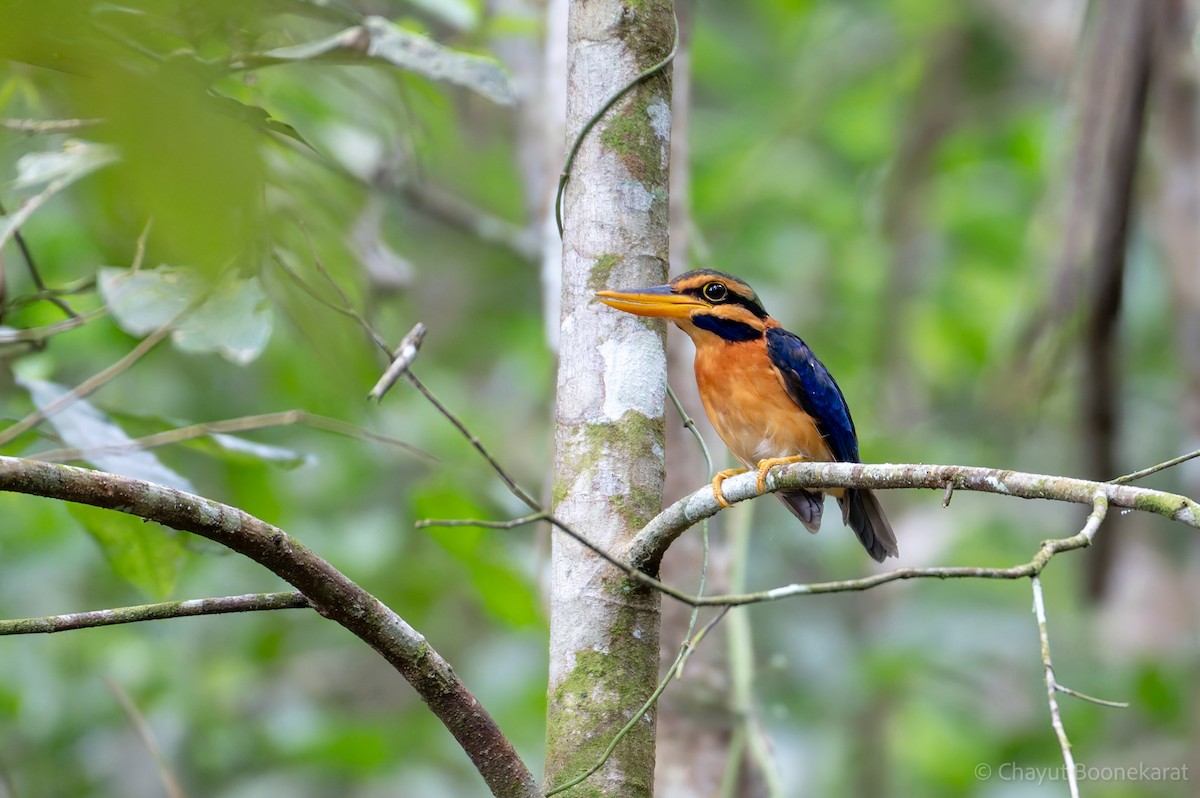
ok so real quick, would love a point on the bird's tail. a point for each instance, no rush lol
(805, 505)
(861, 511)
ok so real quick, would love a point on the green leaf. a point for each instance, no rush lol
(234, 321)
(144, 554)
(243, 450)
(506, 595)
(501, 589)
(377, 39)
(257, 117)
(55, 171)
(104, 444)
(74, 160)
(186, 162)
(143, 301)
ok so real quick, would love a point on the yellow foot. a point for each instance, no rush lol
(721, 477)
(766, 465)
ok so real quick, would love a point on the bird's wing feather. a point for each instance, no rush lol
(812, 387)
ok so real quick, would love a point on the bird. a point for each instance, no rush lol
(767, 395)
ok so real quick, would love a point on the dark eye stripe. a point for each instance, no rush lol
(731, 297)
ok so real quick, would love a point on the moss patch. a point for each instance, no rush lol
(630, 135)
(602, 270)
(631, 439)
(558, 492)
(599, 696)
(648, 29)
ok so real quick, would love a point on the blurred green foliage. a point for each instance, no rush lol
(882, 171)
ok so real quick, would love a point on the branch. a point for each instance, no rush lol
(425, 523)
(47, 125)
(1039, 608)
(251, 602)
(651, 543)
(282, 418)
(646, 549)
(1154, 469)
(402, 358)
(330, 591)
(1088, 533)
(36, 275)
(39, 334)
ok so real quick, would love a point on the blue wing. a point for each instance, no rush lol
(812, 387)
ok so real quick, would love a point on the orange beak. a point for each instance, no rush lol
(657, 301)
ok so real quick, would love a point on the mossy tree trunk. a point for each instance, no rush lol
(608, 464)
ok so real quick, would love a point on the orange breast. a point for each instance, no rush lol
(748, 406)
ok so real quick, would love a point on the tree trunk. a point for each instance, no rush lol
(1177, 207)
(1122, 57)
(608, 464)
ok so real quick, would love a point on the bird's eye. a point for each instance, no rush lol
(715, 292)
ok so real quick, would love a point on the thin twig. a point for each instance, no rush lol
(31, 264)
(165, 774)
(1064, 743)
(513, 524)
(243, 424)
(508, 481)
(516, 490)
(346, 310)
(250, 602)
(9, 789)
(35, 335)
(139, 251)
(78, 287)
(1154, 469)
(96, 381)
(742, 667)
(1086, 535)
(402, 358)
(47, 125)
(1091, 699)
(690, 425)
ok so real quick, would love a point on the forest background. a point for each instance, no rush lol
(928, 191)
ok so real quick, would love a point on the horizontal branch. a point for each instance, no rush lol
(1047, 550)
(38, 334)
(648, 547)
(251, 602)
(332, 594)
(47, 125)
(283, 418)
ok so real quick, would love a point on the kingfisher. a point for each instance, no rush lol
(767, 395)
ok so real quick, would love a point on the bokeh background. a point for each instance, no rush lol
(899, 179)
